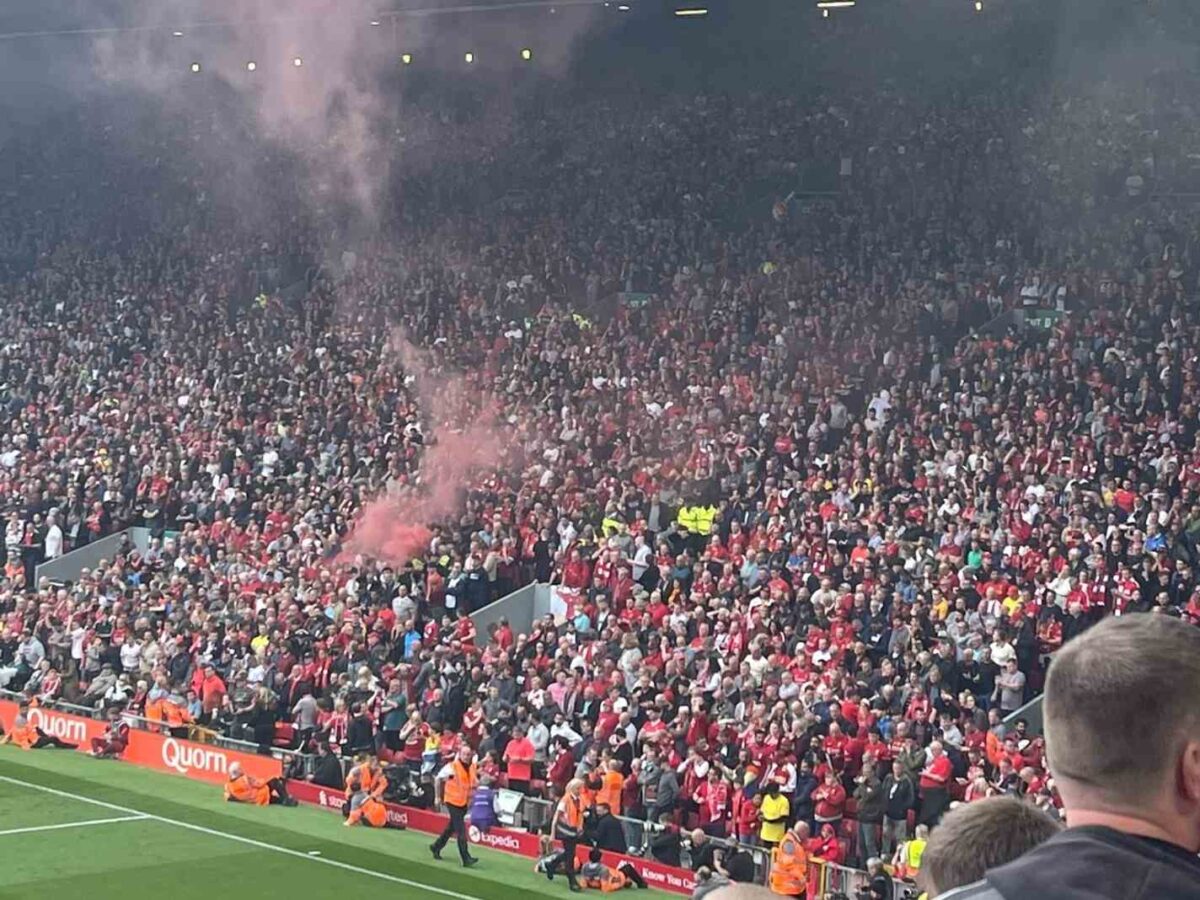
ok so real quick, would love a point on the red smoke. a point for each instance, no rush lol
(394, 526)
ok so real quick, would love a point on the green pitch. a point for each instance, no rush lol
(71, 826)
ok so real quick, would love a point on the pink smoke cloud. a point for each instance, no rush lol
(395, 526)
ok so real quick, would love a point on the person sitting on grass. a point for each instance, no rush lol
(30, 737)
(115, 739)
(243, 788)
(546, 853)
(364, 793)
(599, 877)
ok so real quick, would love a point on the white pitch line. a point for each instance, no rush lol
(262, 845)
(33, 828)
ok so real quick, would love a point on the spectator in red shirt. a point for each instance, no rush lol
(518, 760)
(934, 785)
(212, 692)
(829, 800)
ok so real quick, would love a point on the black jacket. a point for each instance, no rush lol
(329, 773)
(666, 847)
(1092, 863)
(899, 795)
(872, 801)
(607, 834)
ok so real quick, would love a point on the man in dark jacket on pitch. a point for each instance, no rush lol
(1123, 743)
(605, 831)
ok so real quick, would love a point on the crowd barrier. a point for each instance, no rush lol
(521, 843)
(151, 749)
(537, 811)
(196, 733)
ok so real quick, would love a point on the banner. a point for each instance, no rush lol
(563, 602)
(205, 762)
(666, 878)
(64, 726)
(521, 843)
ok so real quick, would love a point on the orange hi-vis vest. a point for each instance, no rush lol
(610, 791)
(175, 714)
(365, 778)
(610, 882)
(570, 820)
(243, 790)
(154, 710)
(24, 736)
(789, 867)
(374, 813)
(461, 784)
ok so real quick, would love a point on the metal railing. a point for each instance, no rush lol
(536, 812)
(86, 712)
(533, 814)
(195, 731)
(835, 879)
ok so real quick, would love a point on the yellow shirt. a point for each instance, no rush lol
(916, 850)
(774, 808)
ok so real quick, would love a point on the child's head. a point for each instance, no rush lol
(594, 854)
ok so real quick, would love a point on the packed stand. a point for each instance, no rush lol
(821, 527)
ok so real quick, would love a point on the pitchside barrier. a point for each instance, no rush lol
(149, 746)
(520, 843)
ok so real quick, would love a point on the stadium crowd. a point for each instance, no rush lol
(824, 508)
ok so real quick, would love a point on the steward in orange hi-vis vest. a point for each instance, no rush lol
(365, 786)
(789, 865)
(455, 783)
(24, 736)
(599, 877)
(30, 737)
(243, 788)
(567, 826)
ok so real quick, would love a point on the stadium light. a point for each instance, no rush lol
(824, 14)
(691, 11)
(374, 23)
(835, 4)
(468, 57)
(195, 67)
(978, 5)
(406, 58)
(297, 62)
(623, 7)
(251, 66)
(176, 34)
(527, 54)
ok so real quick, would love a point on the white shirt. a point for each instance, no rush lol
(1002, 653)
(641, 561)
(77, 637)
(565, 731)
(131, 656)
(54, 542)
